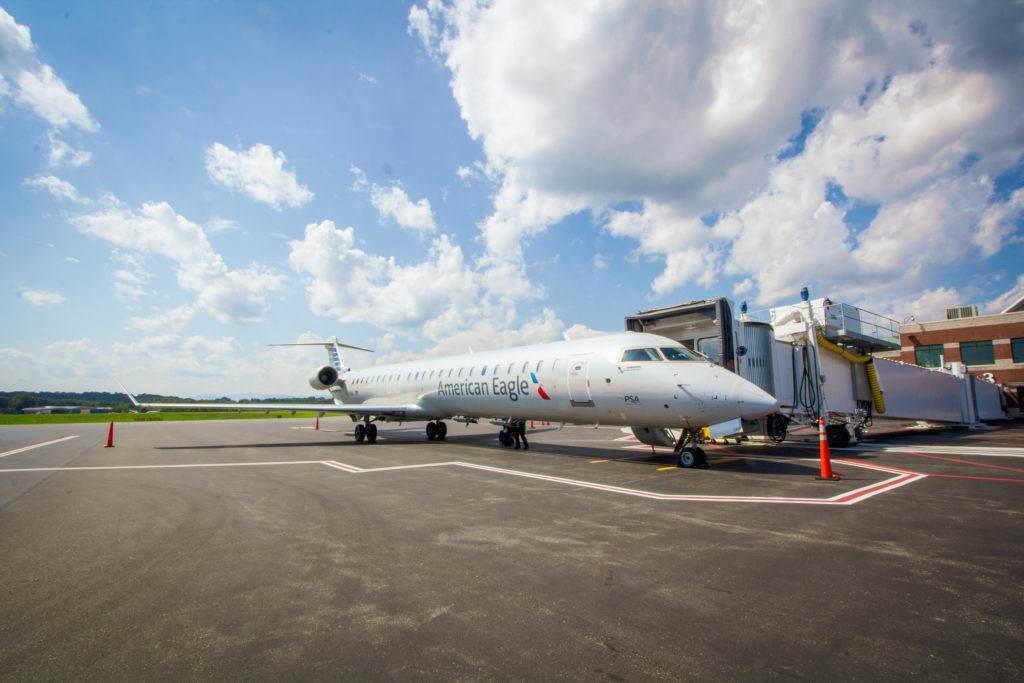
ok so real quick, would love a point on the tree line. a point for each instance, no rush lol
(14, 401)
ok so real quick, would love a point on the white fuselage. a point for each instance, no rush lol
(597, 380)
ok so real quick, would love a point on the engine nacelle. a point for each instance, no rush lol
(656, 436)
(325, 378)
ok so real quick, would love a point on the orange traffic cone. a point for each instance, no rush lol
(826, 457)
(317, 422)
(110, 436)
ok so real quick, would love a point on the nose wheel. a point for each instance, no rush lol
(692, 457)
(690, 454)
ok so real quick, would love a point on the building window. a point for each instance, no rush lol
(977, 353)
(1017, 346)
(928, 356)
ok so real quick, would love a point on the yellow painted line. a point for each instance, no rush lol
(594, 462)
(674, 467)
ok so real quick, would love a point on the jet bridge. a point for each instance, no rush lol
(816, 358)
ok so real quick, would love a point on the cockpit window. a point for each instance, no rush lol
(679, 353)
(633, 355)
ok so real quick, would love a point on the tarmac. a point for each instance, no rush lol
(267, 549)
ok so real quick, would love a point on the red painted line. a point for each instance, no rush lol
(964, 476)
(341, 466)
(965, 462)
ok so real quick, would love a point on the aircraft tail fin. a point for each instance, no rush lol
(333, 347)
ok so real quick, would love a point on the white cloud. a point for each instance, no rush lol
(395, 203)
(232, 296)
(221, 224)
(171, 320)
(60, 189)
(162, 363)
(63, 154)
(41, 298)
(353, 285)
(442, 298)
(1007, 299)
(685, 109)
(259, 173)
(33, 84)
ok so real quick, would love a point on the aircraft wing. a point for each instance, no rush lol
(408, 411)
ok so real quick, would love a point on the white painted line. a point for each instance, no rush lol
(108, 468)
(901, 478)
(38, 445)
(990, 451)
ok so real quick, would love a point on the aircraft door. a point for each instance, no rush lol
(579, 385)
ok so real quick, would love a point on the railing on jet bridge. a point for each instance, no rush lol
(858, 321)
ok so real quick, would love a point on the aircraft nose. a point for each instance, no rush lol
(754, 401)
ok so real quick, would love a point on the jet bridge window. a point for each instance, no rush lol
(633, 355)
(679, 353)
(709, 346)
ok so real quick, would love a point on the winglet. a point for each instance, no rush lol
(127, 393)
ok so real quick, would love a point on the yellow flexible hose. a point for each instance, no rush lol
(876, 390)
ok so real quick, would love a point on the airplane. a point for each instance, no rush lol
(632, 379)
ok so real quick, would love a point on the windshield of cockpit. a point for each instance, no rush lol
(648, 354)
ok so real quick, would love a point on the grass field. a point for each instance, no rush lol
(152, 417)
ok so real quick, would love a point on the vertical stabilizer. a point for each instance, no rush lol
(334, 348)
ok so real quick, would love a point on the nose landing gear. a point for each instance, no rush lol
(690, 454)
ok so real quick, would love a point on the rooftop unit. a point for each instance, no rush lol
(958, 312)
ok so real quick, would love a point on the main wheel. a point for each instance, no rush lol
(505, 438)
(371, 432)
(442, 430)
(688, 457)
(360, 432)
(432, 431)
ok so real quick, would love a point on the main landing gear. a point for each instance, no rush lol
(690, 454)
(366, 432)
(436, 431)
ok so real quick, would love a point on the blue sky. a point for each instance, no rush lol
(186, 183)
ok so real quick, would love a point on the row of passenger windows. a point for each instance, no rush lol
(672, 353)
(454, 373)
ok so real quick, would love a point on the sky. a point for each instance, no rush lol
(185, 183)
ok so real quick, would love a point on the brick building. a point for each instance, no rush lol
(989, 345)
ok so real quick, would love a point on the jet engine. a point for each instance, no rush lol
(325, 378)
(656, 436)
